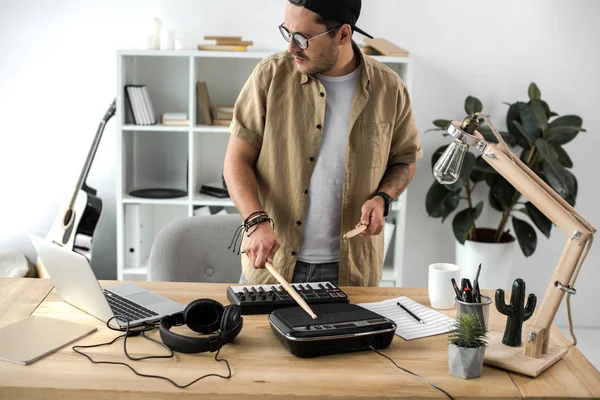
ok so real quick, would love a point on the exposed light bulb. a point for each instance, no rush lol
(447, 168)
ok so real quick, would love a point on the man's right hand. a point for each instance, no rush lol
(261, 245)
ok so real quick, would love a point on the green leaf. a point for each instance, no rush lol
(555, 175)
(473, 105)
(529, 122)
(488, 135)
(563, 157)
(564, 129)
(540, 220)
(547, 110)
(572, 187)
(494, 202)
(464, 221)
(481, 169)
(465, 172)
(501, 191)
(530, 140)
(526, 236)
(562, 134)
(539, 114)
(437, 154)
(511, 116)
(534, 92)
(442, 123)
(440, 202)
(546, 151)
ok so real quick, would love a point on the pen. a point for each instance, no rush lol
(476, 292)
(456, 290)
(413, 315)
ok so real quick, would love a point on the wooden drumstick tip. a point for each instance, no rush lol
(355, 231)
(292, 292)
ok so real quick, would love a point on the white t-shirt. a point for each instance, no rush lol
(321, 233)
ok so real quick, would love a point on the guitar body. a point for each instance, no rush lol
(74, 227)
(77, 233)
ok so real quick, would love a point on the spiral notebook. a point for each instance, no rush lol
(407, 327)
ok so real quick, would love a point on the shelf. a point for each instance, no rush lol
(138, 200)
(255, 54)
(259, 55)
(206, 200)
(155, 128)
(211, 128)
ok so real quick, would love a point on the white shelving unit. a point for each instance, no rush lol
(185, 157)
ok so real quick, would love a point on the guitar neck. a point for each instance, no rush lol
(91, 154)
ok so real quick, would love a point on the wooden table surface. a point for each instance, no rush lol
(262, 368)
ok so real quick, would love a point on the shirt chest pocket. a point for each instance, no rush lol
(375, 144)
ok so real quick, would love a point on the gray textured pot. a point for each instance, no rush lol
(464, 362)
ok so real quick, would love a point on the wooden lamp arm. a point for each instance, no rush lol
(578, 230)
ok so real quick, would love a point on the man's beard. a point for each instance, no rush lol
(325, 61)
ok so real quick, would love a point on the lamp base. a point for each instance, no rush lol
(512, 358)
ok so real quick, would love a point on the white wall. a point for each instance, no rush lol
(58, 76)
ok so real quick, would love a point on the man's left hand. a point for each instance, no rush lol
(372, 216)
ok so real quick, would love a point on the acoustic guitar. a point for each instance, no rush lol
(74, 227)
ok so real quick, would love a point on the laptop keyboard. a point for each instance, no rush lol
(123, 307)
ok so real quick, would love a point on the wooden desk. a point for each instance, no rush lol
(262, 368)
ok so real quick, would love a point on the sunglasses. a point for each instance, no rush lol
(298, 38)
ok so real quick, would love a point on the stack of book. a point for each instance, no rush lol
(380, 46)
(222, 115)
(175, 119)
(211, 115)
(138, 106)
(224, 43)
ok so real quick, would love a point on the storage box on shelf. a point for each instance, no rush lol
(186, 157)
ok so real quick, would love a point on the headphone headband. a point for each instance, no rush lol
(230, 323)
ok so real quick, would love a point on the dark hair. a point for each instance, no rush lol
(329, 24)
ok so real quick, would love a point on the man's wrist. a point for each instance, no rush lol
(387, 202)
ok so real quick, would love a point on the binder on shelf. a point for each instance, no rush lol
(138, 234)
(140, 108)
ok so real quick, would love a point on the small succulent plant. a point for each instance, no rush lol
(468, 333)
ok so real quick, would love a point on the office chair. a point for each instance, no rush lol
(195, 250)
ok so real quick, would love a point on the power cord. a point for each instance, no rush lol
(412, 373)
(142, 331)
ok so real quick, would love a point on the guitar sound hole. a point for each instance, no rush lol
(68, 216)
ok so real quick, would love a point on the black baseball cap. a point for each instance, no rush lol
(343, 11)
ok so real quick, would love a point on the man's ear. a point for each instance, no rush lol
(345, 34)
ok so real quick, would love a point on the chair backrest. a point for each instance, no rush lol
(195, 250)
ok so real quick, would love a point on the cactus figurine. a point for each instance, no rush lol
(515, 312)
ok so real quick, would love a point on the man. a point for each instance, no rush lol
(322, 138)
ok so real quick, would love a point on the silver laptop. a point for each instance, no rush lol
(76, 284)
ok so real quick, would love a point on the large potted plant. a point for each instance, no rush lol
(537, 135)
(466, 347)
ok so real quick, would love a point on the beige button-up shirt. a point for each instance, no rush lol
(281, 111)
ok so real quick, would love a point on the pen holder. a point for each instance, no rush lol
(481, 309)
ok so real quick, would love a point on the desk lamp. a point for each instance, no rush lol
(537, 354)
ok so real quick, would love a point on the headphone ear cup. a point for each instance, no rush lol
(231, 318)
(203, 315)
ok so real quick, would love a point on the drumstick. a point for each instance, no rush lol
(355, 231)
(290, 290)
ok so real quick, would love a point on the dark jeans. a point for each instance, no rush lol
(305, 272)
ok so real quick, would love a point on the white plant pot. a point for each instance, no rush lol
(465, 363)
(496, 263)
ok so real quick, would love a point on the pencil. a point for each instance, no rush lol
(412, 315)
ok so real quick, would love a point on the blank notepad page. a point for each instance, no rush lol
(407, 327)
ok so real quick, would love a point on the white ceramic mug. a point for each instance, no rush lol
(441, 292)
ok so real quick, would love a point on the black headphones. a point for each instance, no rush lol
(202, 316)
